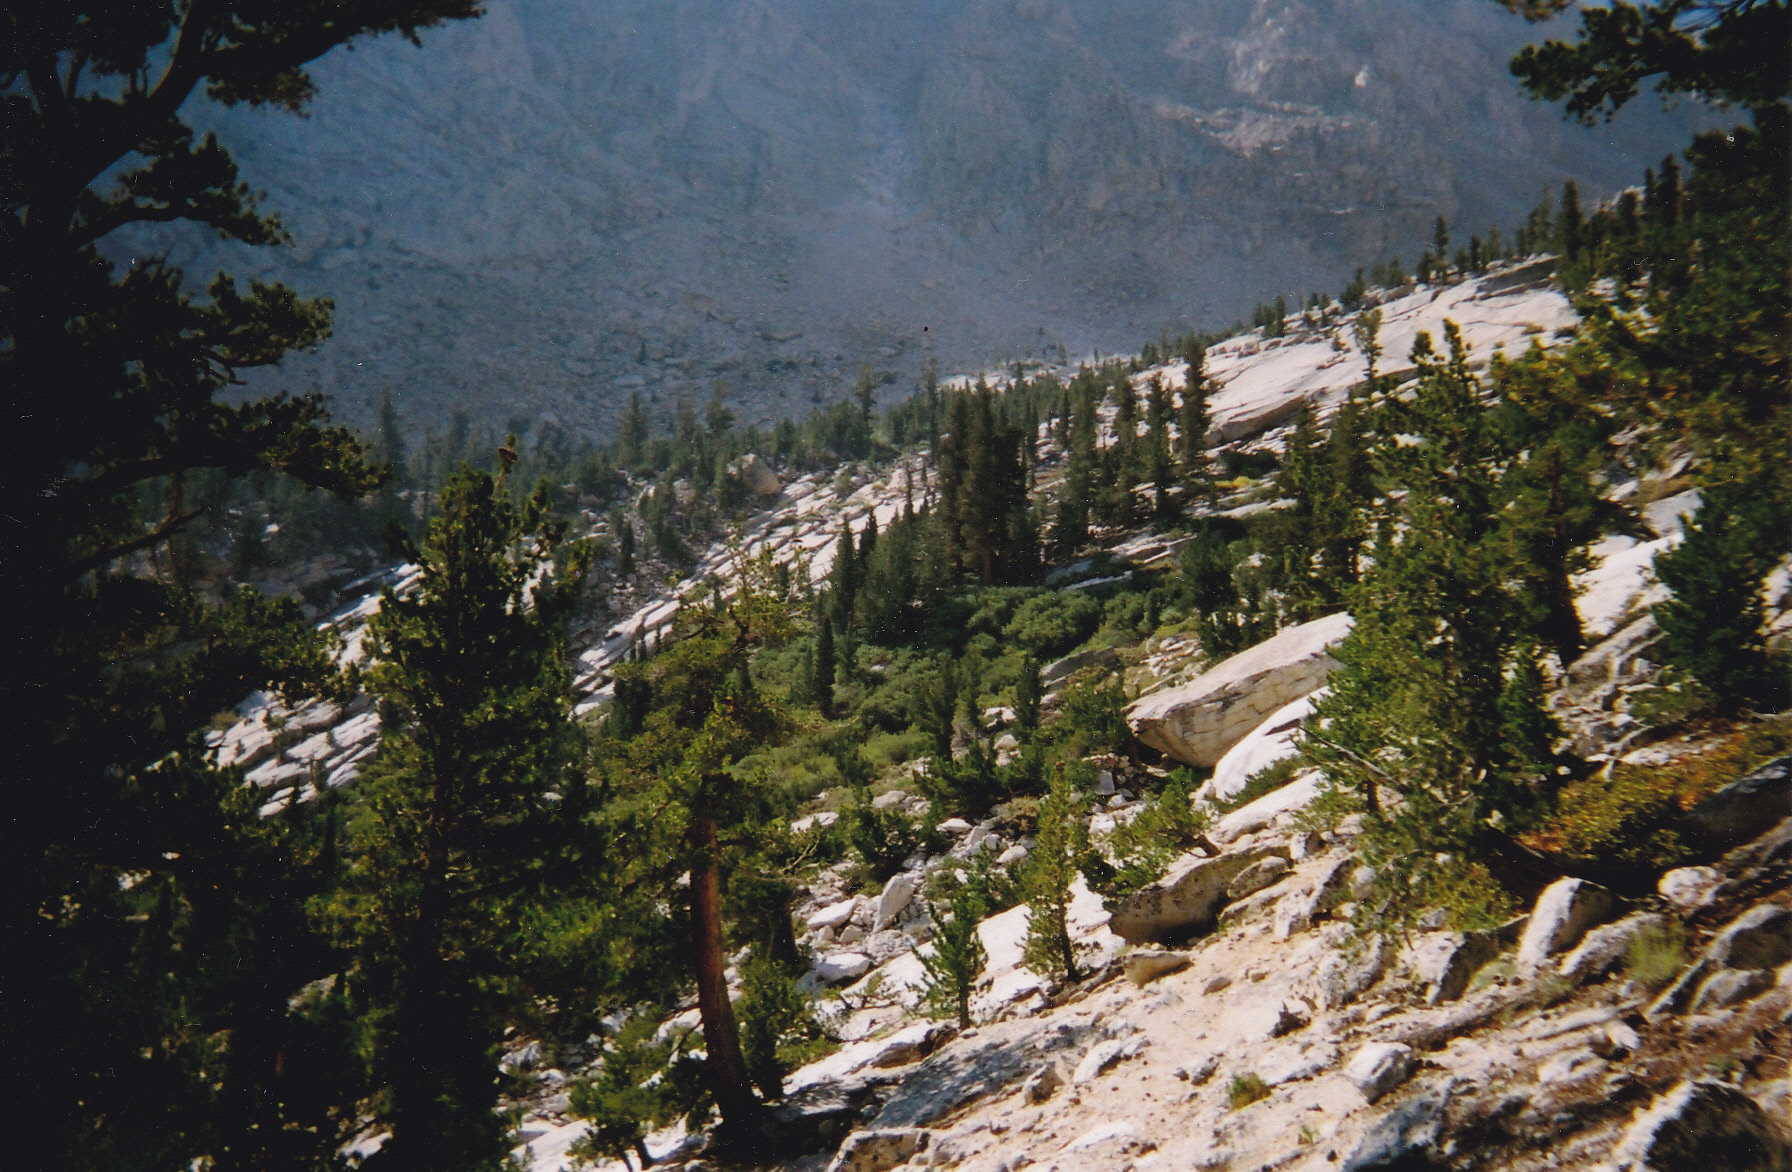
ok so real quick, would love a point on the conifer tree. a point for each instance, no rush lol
(1302, 479)
(120, 993)
(707, 716)
(821, 672)
(631, 433)
(1340, 514)
(1028, 694)
(1569, 224)
(1157, 430)
(468, 801)
(1714, 621)
(1193, 421)
(958, 955)
(1427, 700)
(1052, 866)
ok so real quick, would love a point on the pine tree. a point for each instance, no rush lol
(467, 802)
(121, 994)
(631, 434)
(1301, 479)
(1429, 687)
(1028, 694)
(1340, 515)
(1570, 226)
(1157, 430)
(1193, 422)
(821, 674)
(1714, 623)
(699, 812)
(958, 955)
(1052, 866)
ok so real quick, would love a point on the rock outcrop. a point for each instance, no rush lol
(1186, 900)
(1197, 722)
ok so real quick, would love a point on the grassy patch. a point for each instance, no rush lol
(1655, 955)
(1245, 1089)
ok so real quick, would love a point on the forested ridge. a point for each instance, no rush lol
(325, 973)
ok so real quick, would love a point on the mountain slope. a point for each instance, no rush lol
(562, 203)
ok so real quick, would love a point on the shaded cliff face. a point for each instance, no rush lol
(567, 201)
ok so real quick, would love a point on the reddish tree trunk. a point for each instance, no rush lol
(726, 1069)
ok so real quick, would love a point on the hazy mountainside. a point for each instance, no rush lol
(562, 202)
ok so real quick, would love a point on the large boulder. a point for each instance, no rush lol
(1701, 1123)
(1743, 809)
(756, 476)
(1186, 900)
(1198, 721)
(1263, 746)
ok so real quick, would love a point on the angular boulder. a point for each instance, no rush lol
(1564, 912)
(895, 898)
(756, 476)
(1378, 1068)
(1447, 961)
(877, 1151)
(1186, 900)
(1263, 746)
(1198, 721)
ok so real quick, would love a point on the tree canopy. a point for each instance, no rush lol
(1732, 51)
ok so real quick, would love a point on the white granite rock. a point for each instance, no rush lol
(1564, 912)
(1378, 1068)
(1197, 722)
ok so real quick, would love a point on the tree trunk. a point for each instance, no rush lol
(725, 1068)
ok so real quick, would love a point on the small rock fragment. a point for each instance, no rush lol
(1689, 888)
(1196, 1073)
(1378, 1068)
(1042, 1084)
(1144, 966)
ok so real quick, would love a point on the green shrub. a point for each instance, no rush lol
(1167, 825)
(1052, 624)
(1093, 718)
(1266, 780)
(1245, 1089)
(1630, 816)
(779, 1029)
(897, 748)
(883, 839)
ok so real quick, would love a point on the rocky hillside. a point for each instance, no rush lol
(563, 203)
(1236, 1013)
